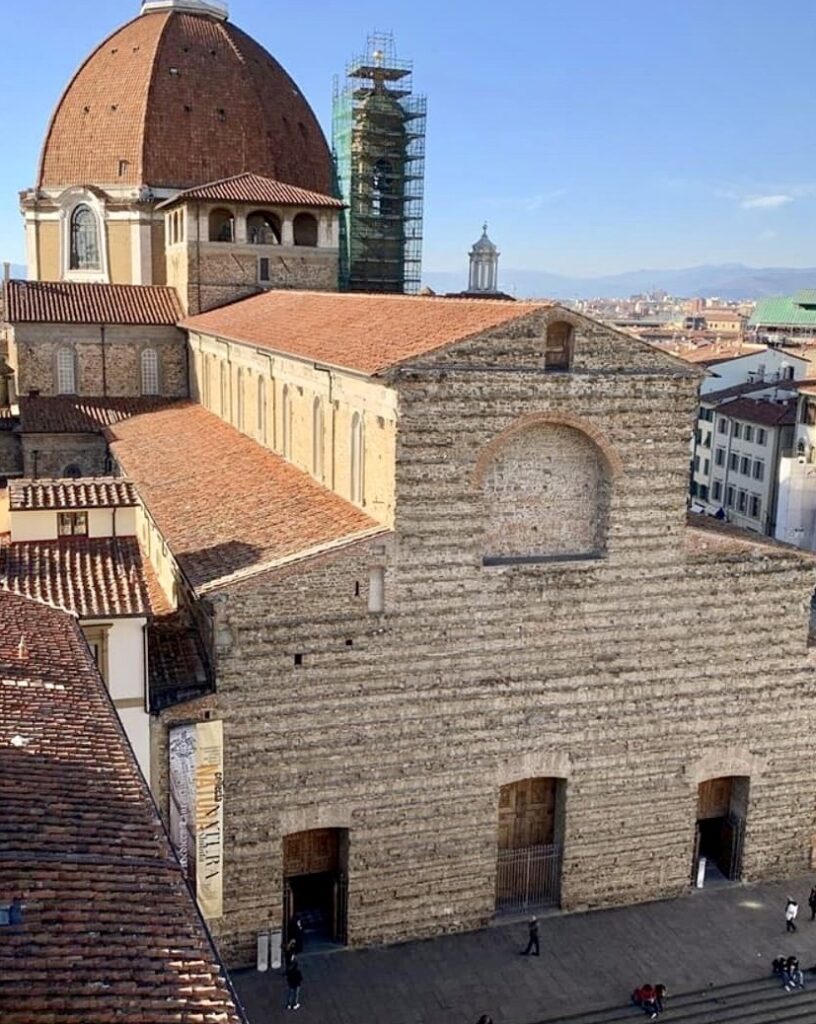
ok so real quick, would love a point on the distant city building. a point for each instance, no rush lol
(787, 319)
(379, 152)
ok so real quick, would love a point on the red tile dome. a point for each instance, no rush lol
(173, 99)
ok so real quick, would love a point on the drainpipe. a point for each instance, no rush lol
(104, 361)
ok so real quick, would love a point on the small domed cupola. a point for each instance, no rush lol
(484, 266)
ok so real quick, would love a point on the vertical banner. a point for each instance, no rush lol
(196, 809)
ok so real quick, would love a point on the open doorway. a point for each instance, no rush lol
(722, 807)
(315, 886)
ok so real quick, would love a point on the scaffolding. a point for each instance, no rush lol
(378, 135)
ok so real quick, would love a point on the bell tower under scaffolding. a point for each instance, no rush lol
(378, 135)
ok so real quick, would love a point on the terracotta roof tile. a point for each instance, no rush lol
(368, 333)
(109, 929)
(94, 492)
(72, 302)
(710, 355)
(253, 188)
(90, 577)
(224, 504)
(754, 410)
(178, 664)
(173, 99)
(69, 415)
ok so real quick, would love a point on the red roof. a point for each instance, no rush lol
(95, 492)
(109, 929)
(72, 302)
(226, 505)
(69, 415)
(754, 410)
(368, 333)
(253, 188)
(90, 577)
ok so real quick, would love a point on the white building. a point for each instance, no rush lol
(768, 364)
(796, 519)
(72, 544)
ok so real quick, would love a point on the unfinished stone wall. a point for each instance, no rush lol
(49, 455)
(11, 460)
(675, 657)
(107, 363)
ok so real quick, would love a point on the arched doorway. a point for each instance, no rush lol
(530, 844)
(315, 884)
(722, 807)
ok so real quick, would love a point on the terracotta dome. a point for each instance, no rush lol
(174, 99)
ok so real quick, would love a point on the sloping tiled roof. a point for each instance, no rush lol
(65, 414)
(754, 410)
(90, 577)
(368, 333)
(253, 188)
(72, 302)
(109, 930)
(224, 504)
(172, 99)
(783, 312)
(710, 355)
(178, 664)
(93, 492)
(736, 390)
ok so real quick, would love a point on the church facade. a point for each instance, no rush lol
(466, 653)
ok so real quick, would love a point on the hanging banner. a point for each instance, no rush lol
(196, 809)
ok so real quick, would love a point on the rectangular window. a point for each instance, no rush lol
(745, 466)
(742, 501)
(703, 492)
(706, 467)
(810, 414)
(759, 469)
(755, 507)
(707, 440)
(736, 429)
(722, 427)
(716, 490)
(733, 461)
(729, 497)
(696, 463)
(97, 639)
(762, 436)
(699, 437)
(749, 432)
(72, 524)
(694, 488)
(263, 269)
(719, 457)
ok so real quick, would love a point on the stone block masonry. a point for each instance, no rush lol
(676, 656)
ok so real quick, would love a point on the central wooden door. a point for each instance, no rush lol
(311, 853)
(529, 847)
(315, 883)
(527, 814)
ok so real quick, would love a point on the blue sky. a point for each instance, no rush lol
(594, 136)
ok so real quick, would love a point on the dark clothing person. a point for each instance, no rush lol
(294, 979)
(484, 1019)
(778, 966)
(289, 951)
(812, 903)
(532, 942)
(660, 994)
(296, 933)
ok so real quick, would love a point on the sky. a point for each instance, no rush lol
(594, 137)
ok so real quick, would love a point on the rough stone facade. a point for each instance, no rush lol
(11, 463)
(107, 360)
(51, 455)
(676, 657)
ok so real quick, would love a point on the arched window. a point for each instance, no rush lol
(357, 460)
(66, 372)
(305, 229)
(558, 349)
(84, 239)
(73, 471)
(317, 440)
(150, 374)
(261, 409)
(263, 228)
(224, 397)
(286, 423)
(239, 398)
(222, 226)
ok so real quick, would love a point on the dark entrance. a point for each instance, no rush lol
(530, 841)
(315, 884)
(722, 806)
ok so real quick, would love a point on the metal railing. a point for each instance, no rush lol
(528, 878)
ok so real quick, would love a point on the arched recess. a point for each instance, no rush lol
(150, 374)
(546, 484)
(722, 762)
(559, 345)
(263, 228)
(222, 225)
(304, 228)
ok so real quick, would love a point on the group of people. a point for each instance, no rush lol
(650, 998)
(789, 971)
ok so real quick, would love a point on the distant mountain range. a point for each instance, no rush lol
(726, 281)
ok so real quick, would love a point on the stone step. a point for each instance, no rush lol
(757, 1001)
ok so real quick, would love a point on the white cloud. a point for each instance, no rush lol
(771, 202)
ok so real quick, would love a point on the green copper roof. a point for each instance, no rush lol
(783, 312)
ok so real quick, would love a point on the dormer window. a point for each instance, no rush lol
(72, 524)
(558, 346)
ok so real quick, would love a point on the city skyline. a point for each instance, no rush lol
(671, 147)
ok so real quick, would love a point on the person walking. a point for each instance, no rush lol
(812, 903)
(532, 941)
(294, 979)
(791, 910)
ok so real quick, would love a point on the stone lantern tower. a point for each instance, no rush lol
(484, 266)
